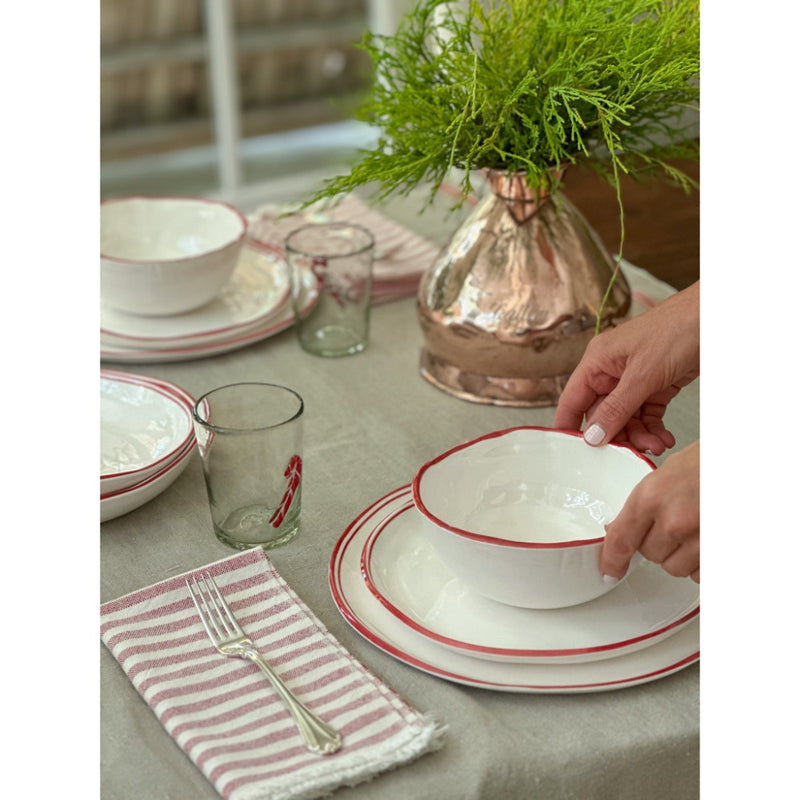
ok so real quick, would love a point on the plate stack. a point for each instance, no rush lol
(253, 306)
(390, 581)
(146, 438)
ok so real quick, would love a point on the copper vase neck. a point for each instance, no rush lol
(522, 200)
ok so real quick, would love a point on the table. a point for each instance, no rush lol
(370, 421)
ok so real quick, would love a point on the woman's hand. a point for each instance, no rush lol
(629, 374)
(660, 519)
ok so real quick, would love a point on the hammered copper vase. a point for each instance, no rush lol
(511, 302)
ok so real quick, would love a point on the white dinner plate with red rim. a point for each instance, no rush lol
(401, 568)
(115, 504)
(257, 290)
(372, 620)
(277, 322)
(145, 424)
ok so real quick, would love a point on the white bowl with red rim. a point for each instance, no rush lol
(167, 255)
(145, 425)
(518, 515)
(122, 501)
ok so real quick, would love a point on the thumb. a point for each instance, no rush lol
(612, 414)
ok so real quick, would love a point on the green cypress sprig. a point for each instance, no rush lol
(529, 85)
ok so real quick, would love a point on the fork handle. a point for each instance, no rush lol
(319, 737)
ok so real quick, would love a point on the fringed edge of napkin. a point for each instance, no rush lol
(428, 740)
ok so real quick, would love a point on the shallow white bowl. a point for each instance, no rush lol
(167, 255)
(145, 424)
(518, 515)
(123, 501)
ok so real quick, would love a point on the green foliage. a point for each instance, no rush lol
(529, 85)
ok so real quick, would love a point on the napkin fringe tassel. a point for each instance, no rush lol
(427, 740)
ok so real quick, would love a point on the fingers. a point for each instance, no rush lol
(585, 389)
(649, 436)
(660, 519)
(643, 429)
(684, 561)
(628, 400)
(680, 559)
(623, 538)
(576, 398)
(645, 432)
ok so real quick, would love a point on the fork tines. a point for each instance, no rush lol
(212, 608)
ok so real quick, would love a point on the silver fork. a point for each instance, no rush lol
(228, 637)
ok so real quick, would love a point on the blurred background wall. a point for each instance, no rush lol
(224, 96)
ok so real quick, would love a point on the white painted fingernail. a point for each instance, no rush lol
(610, 580)
(594, 434)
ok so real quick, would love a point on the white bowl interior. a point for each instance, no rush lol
(147, 229)
(531, 485)
(139, 426)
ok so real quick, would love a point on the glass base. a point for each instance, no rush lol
(332, 341)
(250, 527)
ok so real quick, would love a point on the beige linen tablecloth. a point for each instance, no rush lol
(370, 421)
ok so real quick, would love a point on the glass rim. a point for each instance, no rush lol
(370, 243)
(228, 429)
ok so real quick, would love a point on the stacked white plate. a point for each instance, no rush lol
(391, 587)
(146, 438)
(253, 306)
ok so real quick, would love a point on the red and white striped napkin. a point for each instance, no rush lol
(223, 712)
(401, 256)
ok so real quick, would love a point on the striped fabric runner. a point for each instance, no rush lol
(401, 256)
(223, 712)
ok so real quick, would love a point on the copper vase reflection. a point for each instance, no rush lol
(511, 302)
